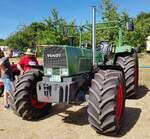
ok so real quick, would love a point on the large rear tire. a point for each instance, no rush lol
(106, 101)
(1, 88)
(24, 100)
(131, 71)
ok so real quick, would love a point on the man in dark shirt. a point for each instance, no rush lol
(7, 76)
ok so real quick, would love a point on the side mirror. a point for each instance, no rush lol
(130, 25)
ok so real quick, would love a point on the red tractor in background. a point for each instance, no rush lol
(16, 71)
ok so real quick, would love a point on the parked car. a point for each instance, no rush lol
(17, 53)
(148, 44)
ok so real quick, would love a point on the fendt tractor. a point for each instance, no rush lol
(69, 71)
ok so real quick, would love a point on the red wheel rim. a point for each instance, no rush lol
(38, 105)
(120, 102)
(1, 85)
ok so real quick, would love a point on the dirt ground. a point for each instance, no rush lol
(71, 122)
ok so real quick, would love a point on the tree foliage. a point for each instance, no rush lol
(2, 42)
(56, 30)
(52, 30)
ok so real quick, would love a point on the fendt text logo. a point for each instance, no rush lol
(53, 55)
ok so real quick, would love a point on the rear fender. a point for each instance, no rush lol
(123, 54)
(124, 48)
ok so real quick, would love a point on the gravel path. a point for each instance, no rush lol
(71, 122)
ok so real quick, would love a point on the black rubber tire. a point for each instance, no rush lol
(131, 71)
(21, 100)
(103, 101)
(1, 91)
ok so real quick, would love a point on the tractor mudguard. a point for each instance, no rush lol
(124, 48)
(38, 67)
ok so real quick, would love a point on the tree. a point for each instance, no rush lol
(2, 42)
(56, 30)
(109, 13)
(109, 10)
(49, 31)
(27, 36)
(142, 30)
(60, 28)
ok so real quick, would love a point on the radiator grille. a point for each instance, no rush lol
(54, 57)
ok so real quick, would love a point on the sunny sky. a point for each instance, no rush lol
(17, 12)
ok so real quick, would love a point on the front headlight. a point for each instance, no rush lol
(64, 72)
(48, 71)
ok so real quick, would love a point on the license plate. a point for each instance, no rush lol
(45, 97)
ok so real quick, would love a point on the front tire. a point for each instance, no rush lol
(24, 101)
(1, 88)
(106, 101)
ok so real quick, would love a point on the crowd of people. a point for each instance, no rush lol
(24, 64)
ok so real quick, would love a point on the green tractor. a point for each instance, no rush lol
(71, 71)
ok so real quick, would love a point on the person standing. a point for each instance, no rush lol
(7, 76)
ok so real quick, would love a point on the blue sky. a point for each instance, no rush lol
(17, 12)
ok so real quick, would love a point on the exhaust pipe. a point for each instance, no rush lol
(94, 36)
